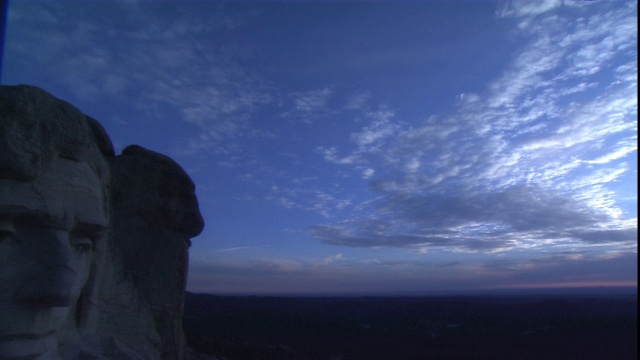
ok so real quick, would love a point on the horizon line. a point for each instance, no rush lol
(532, 291)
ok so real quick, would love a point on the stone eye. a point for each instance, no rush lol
(6, 235)
(7, 231)
(82, 248)
(83, 236)
(81, 244)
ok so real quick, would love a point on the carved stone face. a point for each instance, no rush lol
(48, 231)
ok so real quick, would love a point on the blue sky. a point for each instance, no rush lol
(364, 147)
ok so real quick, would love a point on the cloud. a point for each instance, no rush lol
(624, 148)
(310, 105)
(162, 63)
(520, 8)
(331, 155)
(368, 172)
(372, 135)
(277, 275)
(514, 218)
(312, 101)
(308, 199)
(525, 164)
(240, 248)
(342, 275)
(369, 139)
(358, 101)
(568, 270)
(330, 259)
(605, 236)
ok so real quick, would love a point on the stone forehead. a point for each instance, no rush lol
(68, 192)
(36, 128)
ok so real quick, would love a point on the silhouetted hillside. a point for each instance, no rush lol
(456, 327)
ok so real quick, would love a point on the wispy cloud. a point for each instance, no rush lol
(622, 149)
(240, 248)
(527, 8)
(310, 105)
(340, 274)
(168, 67)
(330, 259)
(568, 270)
(308, 199)
(372, 137)
(312, 101)
(358, 101)
(513, 167)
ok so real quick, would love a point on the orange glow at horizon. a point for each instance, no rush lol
(575, 284)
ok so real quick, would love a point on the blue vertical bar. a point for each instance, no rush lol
(4, 8)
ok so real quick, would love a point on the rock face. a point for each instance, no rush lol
(37, 128)
(104, 237)
(155, 213)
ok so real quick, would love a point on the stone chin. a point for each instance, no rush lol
(29, 346)
(30, 320)
(30, 333)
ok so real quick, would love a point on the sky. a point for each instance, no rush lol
(368, 147)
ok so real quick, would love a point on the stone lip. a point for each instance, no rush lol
(25, 346)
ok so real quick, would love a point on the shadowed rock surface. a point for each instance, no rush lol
(155, 213)
(119, 226)
(37, 128)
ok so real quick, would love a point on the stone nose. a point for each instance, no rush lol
(51, 273)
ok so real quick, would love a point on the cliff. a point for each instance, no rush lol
(107, 236)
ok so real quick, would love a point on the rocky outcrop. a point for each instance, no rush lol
(122, 227)
(37, 127)
(155, 213)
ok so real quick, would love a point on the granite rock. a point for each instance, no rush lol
(155, 213)
(101, 241)
(36, 127)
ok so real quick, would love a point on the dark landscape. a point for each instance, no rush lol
(551, 325)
